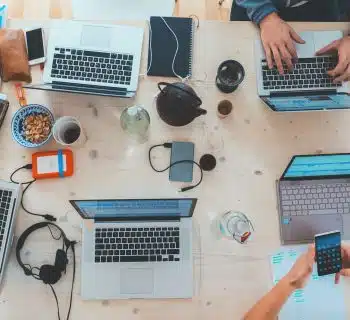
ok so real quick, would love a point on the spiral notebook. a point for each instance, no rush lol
(162, 47)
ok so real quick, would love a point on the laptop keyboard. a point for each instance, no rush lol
(308, 73)
(92, 66)
(137, 244)
(5, 199)
(317, 199)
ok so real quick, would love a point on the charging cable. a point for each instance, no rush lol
(168, 145)
(29, 166)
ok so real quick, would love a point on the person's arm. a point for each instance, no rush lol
(276, 35)
(257, 9)
(269, 306)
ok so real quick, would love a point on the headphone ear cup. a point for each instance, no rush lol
(61, 260)
(49, 274)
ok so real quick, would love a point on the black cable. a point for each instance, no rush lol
(54, 294)
(73, 280)
(169, 145)
(29, 166)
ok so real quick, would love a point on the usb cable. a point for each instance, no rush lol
(168, 145)
(29, 166)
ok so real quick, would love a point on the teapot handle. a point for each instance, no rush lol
(160, 84)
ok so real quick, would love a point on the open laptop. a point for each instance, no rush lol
(314, 197)
(92, 59)
(140, 248)
(307, 87)
(10, 199)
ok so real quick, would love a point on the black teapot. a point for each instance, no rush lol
(178, 104)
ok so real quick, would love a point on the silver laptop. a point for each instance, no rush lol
(10, 199)
(314, 197)
(307, 87)
(93, 59)
(140, 248)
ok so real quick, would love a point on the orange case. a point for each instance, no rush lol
(69, 166)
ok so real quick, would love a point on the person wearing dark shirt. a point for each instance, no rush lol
(279, 38)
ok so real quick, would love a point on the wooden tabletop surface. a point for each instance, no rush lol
(253, 146)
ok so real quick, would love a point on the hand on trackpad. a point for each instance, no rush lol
(136, 281)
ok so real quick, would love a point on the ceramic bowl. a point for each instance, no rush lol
(17, 125)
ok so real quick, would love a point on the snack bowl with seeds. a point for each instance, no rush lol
(32, 126)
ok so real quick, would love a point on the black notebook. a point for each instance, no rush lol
(162, 47)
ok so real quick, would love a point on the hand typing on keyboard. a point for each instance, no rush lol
(342, 70)
(278, 39)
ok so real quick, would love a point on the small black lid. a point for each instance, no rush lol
(207, 162)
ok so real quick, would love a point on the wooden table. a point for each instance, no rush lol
(252, 148)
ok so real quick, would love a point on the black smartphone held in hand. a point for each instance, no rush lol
(183, 171)
(328, 253)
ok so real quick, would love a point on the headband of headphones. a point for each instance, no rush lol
(24, 237)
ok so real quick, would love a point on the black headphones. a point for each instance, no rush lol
(49, 274)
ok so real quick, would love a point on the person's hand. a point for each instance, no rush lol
(345, 252)
(302, 269)
(278, 41)
(342, 71)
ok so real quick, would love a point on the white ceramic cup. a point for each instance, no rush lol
(68, 131)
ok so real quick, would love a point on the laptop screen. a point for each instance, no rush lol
(135, 208)
(312, 102)
(318, 166)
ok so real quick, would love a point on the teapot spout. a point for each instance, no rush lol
(201, 112)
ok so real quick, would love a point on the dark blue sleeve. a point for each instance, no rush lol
(257, 9)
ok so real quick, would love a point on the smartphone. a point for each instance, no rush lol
(35, 46)
(328, 252)
(183, 171)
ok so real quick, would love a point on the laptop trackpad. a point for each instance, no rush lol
(303, 228)
(96, 36)
(136, 281)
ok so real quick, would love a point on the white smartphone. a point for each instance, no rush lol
(35, 46)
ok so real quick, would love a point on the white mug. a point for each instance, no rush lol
(68, 131)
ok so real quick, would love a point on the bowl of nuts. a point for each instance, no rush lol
(32, 126)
